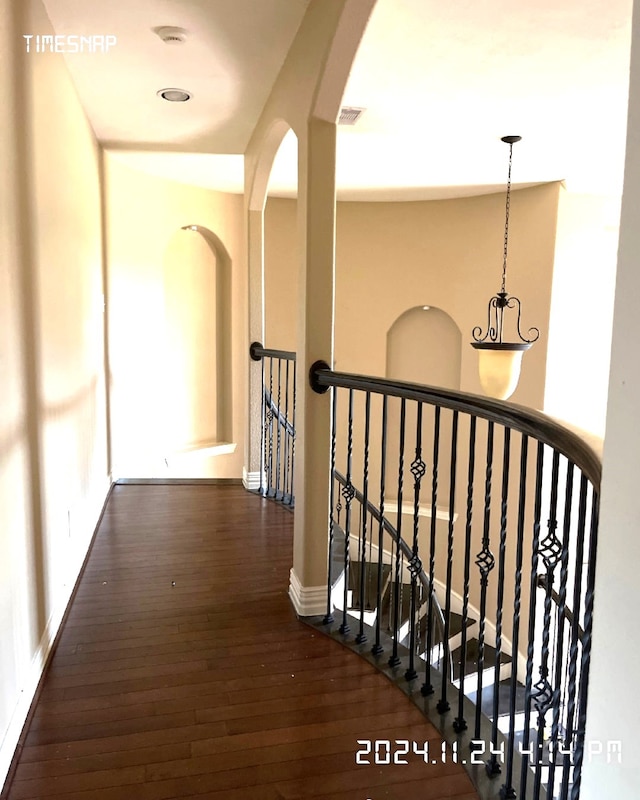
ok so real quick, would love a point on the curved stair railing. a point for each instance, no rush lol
(278, 420)
(481, 515)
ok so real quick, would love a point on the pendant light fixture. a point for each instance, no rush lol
(500, 360)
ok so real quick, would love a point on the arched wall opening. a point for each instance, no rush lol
(197, 338)
(424, 345)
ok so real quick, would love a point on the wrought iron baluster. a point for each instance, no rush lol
(550, 550)
(285, 461)
(270, 421)
(560, 616)
(493, 767)
(278, 431)
(332, 521)
(486, 562)
(377, 648)
(507, 791)
(348, 492)
(263, 434)
(293, 435)
(418, 469)
(570, 732)
(460, 723)
(443, 703)
(361, 637)
(541, 688)
(427, 686)
(394, 659)
(586, 648)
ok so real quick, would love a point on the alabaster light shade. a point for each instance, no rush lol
(499, 368)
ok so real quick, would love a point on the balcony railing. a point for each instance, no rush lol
(278, 421)
(462, 545)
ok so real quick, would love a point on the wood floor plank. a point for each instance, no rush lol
(183, 672)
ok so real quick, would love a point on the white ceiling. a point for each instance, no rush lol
(441, 82)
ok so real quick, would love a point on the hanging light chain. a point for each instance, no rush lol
(506, 221)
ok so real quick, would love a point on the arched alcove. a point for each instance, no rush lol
(424, 345)
(197, 381)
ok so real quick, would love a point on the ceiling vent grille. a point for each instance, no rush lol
(349, 115)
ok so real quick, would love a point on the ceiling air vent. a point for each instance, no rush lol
(349, 115)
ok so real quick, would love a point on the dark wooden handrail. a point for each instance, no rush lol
(258, 352)
(519, 418)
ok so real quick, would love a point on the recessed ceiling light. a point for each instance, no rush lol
(174, 95)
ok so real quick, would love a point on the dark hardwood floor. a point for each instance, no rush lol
(182, 671)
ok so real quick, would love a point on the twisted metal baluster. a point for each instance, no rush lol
(535, 545)
(270, 419)
(278, 430)
(550, 550)
(486, 562)
(418, 469)
(427, 686)
(586, 648)
(348, 492)
(507, 791)
(377, 648)
(332, 521)
(493, 767)
(361, 637)
(443, 703)
(394, 659)
(460, 723)
(285, 462)
(562, 607)
(568, 748)
(293, 437)
(263, 436)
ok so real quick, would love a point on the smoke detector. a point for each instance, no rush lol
(174, 95)
(349, 115)
(171, 35)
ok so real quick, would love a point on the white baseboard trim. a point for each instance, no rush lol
(34, 671)
(27, 692)
(250, 480)
(308, 601)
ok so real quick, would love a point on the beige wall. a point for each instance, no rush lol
(280, 274)
(53, 443)
(391, 257)
(614, 701)
(582, 309)
(144, 214)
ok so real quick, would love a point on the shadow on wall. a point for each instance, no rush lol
(197, 298)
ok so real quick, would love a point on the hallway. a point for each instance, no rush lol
(182, 671)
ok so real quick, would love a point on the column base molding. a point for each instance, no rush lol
(308, 601)
(250, 480)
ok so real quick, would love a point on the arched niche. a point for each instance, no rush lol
(424, 345)
(197, 362)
